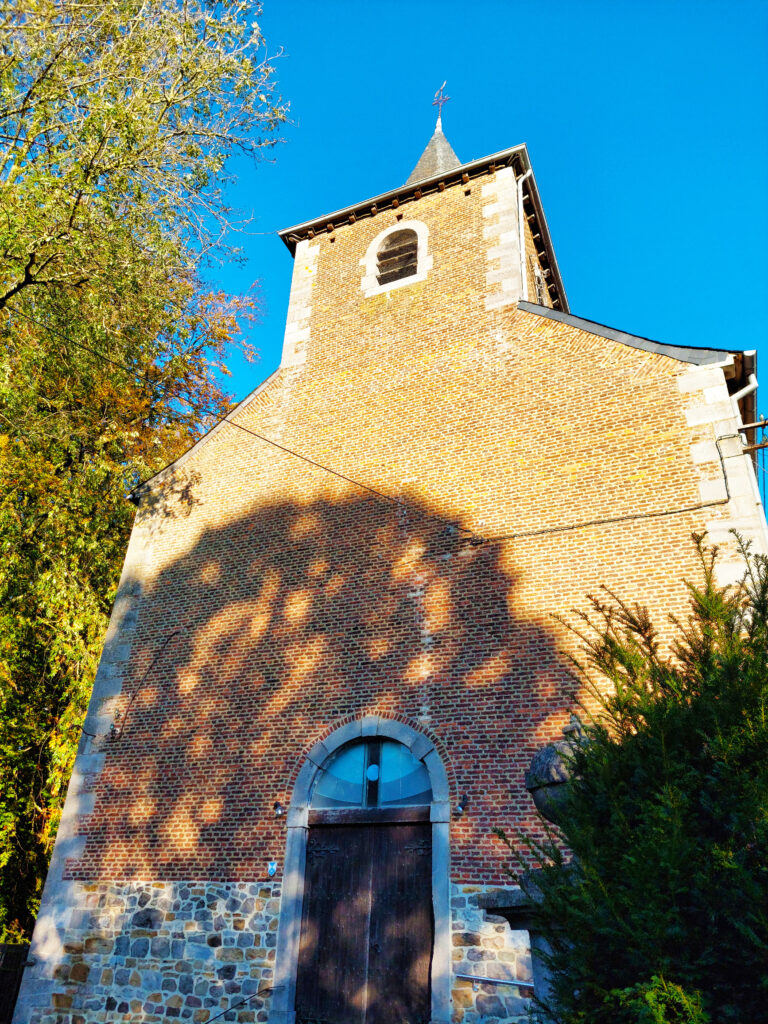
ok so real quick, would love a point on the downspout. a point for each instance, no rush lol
(521, 231)
(748, 388)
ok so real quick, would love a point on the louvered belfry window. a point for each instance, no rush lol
(397, 258)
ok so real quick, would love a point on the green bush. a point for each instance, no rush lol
(661, 913)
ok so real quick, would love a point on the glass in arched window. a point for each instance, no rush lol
(398, 256)
(372, 773)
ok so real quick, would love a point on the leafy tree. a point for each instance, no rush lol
(116, 121)
(661, 914)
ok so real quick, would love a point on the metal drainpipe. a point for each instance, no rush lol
(521, 231)
(749, 388)
(746, 390)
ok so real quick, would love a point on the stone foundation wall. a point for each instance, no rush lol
(154, 951)
(485, 947)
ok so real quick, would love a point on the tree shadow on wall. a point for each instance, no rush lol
(293, 619)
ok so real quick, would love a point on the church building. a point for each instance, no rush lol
(336, 646)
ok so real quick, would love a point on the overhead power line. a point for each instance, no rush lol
(472, 537)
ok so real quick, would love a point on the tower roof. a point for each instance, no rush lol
(457, 175)
(437, 158)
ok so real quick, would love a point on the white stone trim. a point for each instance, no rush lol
(297, 325)
(714, 419)
(504, 275)
(289, 930)
(370, 284)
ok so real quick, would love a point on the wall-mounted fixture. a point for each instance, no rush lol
(272, 868)
(278, 809)
(462, 805)
(477, 982)
(114, 732)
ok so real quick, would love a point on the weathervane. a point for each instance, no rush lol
(438, 102)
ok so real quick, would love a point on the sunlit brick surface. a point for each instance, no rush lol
(309, 601)
(533, 463)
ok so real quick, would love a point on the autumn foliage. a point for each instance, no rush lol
(116, 121)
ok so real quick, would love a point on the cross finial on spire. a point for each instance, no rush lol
(438, 102)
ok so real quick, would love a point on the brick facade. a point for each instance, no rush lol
(505, 465)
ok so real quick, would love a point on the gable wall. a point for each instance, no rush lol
(310, 600)
(305, 601)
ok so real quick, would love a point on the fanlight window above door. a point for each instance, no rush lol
(372, 773)
(398, 256)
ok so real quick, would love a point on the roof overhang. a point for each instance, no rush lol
(738, 365)
(685, 353)
(516, 157)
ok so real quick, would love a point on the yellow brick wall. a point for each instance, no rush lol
(308, 600)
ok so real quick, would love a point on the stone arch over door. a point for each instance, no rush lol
(289, 929)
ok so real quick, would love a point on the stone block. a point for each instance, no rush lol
(230, 954)
(480, 954)
(160, 948)
(712, 490)
(704, 452)
(98, 946)
(708, 412)
(699, 379)
(491, 1006)
(149, 917)
(79, 973)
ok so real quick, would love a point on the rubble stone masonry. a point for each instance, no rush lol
(155, 951)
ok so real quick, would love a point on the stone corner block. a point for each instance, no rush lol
(440, 791)
(421, 746)
(347, 733)
(318, 753)
(397, 731)
(298, 816)
(370, 725)
(303, 783)
(440, 811)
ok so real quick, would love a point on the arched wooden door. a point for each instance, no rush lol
(367, 931)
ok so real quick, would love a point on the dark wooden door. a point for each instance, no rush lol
(366, 937)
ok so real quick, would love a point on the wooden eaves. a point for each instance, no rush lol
(516, 157)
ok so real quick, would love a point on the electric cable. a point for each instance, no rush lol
(117, 734)
(473, 538)
(226, 421)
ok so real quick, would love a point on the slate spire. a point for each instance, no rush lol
(438, 156)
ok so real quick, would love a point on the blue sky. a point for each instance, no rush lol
(646, 122)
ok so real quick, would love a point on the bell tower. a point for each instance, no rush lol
(456, 241)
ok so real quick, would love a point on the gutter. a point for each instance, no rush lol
(748, 392)
(749, 388)
(391, 200)
(369, 207)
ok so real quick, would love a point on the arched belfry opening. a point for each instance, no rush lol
(398, 256)
(364, 926)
